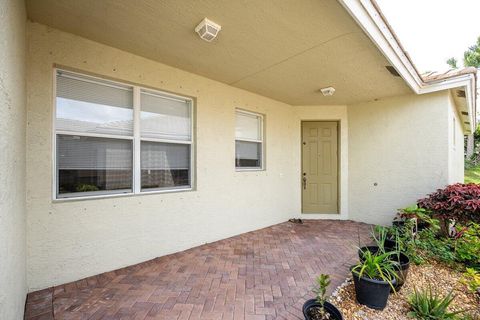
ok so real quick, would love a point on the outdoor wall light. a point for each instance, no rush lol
(208, 30)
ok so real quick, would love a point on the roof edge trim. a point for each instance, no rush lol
(368, 16)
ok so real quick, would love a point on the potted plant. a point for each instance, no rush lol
(398, 243)
(420, 216)
(373, 277)
(319, 308)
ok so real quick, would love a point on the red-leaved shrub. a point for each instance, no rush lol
(457, 201)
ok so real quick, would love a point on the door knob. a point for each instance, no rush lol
(304, 181)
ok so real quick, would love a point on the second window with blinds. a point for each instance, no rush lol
(113, 138)
(249, 145)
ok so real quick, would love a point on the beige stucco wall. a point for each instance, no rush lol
(456, 143)
(75, 239)
(12, 159)
(322, 113)
(401, 145)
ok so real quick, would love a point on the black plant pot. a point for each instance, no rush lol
(404, 265)
(398, 223)
(372, 249)
(335, 314)
(390, 244)
(422, 225)
(372, 293)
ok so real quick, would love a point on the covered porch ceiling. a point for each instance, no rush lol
(286, 50)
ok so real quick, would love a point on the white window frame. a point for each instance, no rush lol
(135, 138)
(261, 141)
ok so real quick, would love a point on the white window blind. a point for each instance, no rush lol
(92, 153)
(88, 106)
(164, 117)
(163, 156)
(248, 150)
(248, 126)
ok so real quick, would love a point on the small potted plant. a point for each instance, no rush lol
(319, 308)
(374, 276)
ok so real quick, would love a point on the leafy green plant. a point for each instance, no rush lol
(84, 187)
(434, 246)
(471, 278)
(406, 244)
(320, 290)
(467, 244)
(378, 266)
(426, 305)
(414, 211)
(379, 234)
(403, 237)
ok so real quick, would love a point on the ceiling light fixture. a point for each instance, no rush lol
(328, 91)
(208, 30)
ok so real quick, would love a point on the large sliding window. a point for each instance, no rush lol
(248, 141)
(112, 138)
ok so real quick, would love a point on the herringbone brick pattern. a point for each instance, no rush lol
(264, 274)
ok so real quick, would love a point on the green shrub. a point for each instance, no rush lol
(416, 212)
(471, 278)
(439, 248)
(426, 305)
(467, 244)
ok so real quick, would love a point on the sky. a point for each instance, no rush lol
(431, 31)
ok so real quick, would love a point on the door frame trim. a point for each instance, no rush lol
(339, 171)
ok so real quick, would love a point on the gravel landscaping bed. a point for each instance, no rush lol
(441, 278)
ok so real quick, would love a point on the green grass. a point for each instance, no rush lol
(472, 175)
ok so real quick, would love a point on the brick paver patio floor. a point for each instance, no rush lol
(264, 274)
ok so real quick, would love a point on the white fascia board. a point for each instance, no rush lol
(369, 19)
(465, 82)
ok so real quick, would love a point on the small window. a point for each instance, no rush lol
(249, 141)
(102, 148)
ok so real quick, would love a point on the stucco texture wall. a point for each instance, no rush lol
(12, 159)
(397, 153)
(75, 239)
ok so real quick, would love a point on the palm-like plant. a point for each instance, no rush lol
(378, 266)
(426, 305)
